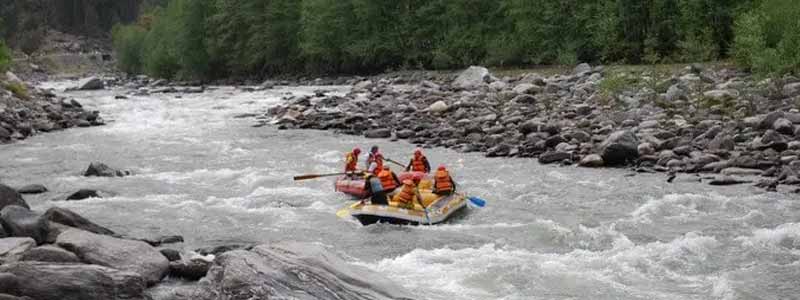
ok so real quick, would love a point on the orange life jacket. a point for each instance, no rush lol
(387, 180)
(378, 165)
(443, 183)
(418, 165)
(406, 194)
(351, 162)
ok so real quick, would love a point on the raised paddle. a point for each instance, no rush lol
(313, 176)
(396, 163)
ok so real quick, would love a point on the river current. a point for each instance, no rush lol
(548, 232)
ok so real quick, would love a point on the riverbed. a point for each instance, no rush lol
(201, 170)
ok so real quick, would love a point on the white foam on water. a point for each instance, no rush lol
(247, 175)
(489, 272)
(785, 235)
(679, 206)
(329, 157)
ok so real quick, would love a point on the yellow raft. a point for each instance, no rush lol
(439, 209)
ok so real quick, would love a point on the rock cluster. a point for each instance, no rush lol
(692, 120)
(26, 110)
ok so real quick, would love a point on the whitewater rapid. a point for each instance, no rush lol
(202, 171)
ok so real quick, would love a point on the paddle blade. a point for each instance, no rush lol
(343, 213)
(477, 202)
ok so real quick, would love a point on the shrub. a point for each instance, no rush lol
(5, 57)
(18, 89)
(768, 38)
(128, 42)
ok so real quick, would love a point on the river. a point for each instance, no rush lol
(548, 232)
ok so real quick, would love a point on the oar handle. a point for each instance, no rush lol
(395, 162)
(312, 176)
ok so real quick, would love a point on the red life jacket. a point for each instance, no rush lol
(443, 183)
(418, 164)
(387, 180)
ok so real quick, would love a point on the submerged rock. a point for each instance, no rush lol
(293, 271)
(83, 194)
(90, 83)
(102, 170)
(32, 189)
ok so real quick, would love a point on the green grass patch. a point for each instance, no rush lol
(18, 89)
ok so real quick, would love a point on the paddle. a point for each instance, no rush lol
(477, 202)
(394, 162)
(313, 176)
(424, 209)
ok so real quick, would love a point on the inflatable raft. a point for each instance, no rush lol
(354, 186)
(439, 208)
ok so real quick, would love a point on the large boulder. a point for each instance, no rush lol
(472, 77)
(55, 281)
(380, 133)
(592, 161)
(293, 271)
(83, 194)
(791, 89)
(67, 217)
(783, 126)
(50, 253)
(192, 269)
(18, 221)
(555, 156)
(126, 255)
(619, 148)
(90, 83)
(9, 196)
(12, 247)
(102, 170)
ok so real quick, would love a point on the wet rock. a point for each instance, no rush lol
(9, 196)
(405, 134)
(582, 69)
(437, 107)
(472, 77)
(32, 189)
(592, 161)
(9, 284)
(49, 253)
(14, 246)
(619, 148)
(791, 89)
(193, 269)
(527, 88)
(102, 170)
(69, 218)
(552, 157)
(646, 149)
(500, 150)
(90, 83)
(160, 240)
(768, 121)
(293, 271)
(770, 140)
(126, 255)
(721, 95)
(741, 171)
(727, 180)
(83, 194)
(379, 133)
(675, 93)
(783, 126)
(18, 221)
(171, 254)
(217, 250)
(54, 281)
(722, 142)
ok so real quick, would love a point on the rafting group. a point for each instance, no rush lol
(416, 195)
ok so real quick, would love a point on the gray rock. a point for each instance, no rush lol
(90, 83)
(552, 157)
(524, 99)
(581, 69)
(770, 140)
(219, 249)
(54, 281)
(498, 151)
(9, 196)
(379, 133)
(15, 246)
(9, 284)
(721, 95)
(498, 85)
(103, 170)
(22, 222)
(69, 218)
(783, 126)
(527, 88)
(675, 93)
(646, 149)
(592, 161)
(472, 77)
(83, 194)
(126, 255)
(193, 269)
(11, 297)
(791, 89)
(405, 134)
(32, 189)
(722, 142)
(768, 121)
(438, 107)
(583, 109)
(619, 148)
(741, 171)
(49, 253)
(727, 180)
(171, 254)
(293, 271)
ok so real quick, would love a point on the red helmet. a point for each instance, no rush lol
(442, 168)
(356, 150)
(418, 151)
(378, 154)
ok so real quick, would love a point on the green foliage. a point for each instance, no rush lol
(128, 41)
(5, 57)
(768, 38)
(18, 89)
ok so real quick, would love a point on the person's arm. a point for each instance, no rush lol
(427, 165)
(396, 180)
(410, 162)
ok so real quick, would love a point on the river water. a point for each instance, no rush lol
(547, 233)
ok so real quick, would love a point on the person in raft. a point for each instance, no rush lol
(442, 182)
(409, 193)
(382, 185)
(375, 161)
(351, 162)
(419, 163)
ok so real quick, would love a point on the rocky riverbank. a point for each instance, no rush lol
(26, 110)
(58, 254)
(689, 120)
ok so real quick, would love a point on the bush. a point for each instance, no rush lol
(18, 89)
(128, 42)
(768, 38)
